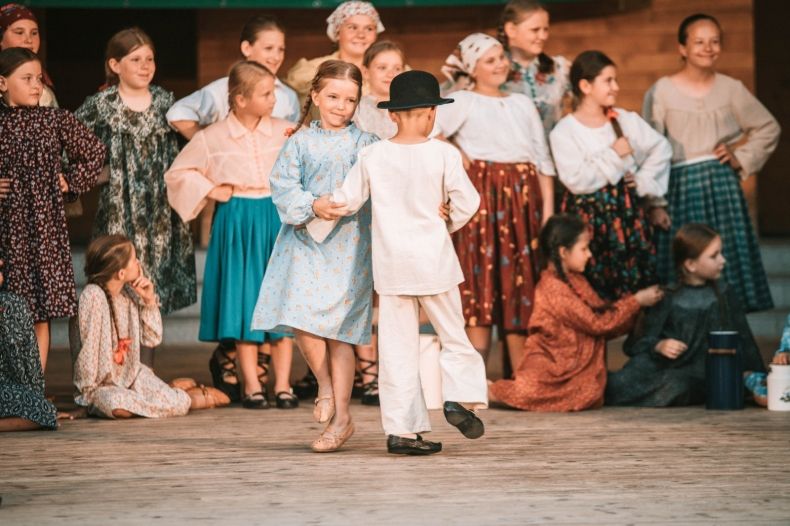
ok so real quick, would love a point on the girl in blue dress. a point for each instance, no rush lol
(322, 292)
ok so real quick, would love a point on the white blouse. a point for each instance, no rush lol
(499, 129)
(586, 161)
(371, 119)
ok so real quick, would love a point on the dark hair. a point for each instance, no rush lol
(587, 66)
(14, 57)
(106, 255)
(121, 44)
(515, 11)
(381, 46)
(563, 231)
(690, 242)
(258, 23)
(683, 29)
(331, 69)
(243, 77)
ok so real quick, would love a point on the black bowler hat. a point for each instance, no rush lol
(413, 89)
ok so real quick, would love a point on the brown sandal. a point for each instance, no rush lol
(183, 383)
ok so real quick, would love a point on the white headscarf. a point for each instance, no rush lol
(458, 67)
(345, 11)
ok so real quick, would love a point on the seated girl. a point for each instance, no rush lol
(119, 313)
(564, 365)
(23, 406)
(667, 365)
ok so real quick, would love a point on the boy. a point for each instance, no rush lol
(415, 264)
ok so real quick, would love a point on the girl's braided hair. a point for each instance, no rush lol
(515, 11)
(331, 69)
(106, 256)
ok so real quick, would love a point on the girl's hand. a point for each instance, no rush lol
(622, 147)
(782, 358)
(660, 218)
(671, 348)
(221, 193)
(324, 208)
(64, 185)
(145, 289)
(444, 211)
(726, 156)
(5, 188)
(649, 296)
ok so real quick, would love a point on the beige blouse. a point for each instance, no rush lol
(371, 119)
(224, 153)
(696, 125)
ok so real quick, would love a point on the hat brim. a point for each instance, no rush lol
(410, 105)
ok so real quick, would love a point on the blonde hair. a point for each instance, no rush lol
(106, 256)
(243, 77)
(121, 44)
(331, 69)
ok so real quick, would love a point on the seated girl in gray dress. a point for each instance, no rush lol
(667, 365)
(22, 403)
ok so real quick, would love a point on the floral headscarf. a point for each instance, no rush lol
(345, 11)
(462, 62)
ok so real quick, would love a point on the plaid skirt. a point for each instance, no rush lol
(623, 255)
(709, 192)
(498, 247)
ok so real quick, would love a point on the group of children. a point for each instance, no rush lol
(370, 185)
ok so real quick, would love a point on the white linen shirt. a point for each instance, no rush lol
(499, 129)
(412, 250)
(586, 161)
(210, 104)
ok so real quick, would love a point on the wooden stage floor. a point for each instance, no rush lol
(235, 466)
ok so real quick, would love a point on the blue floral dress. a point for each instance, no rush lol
(324, 289)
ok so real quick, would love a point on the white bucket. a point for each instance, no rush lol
(779, 388)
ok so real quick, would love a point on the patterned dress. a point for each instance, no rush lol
(324, 289)
(564, 365)
(687, 314)
(21, 377)
(134, 202)
(102, 383)
(34, 240)
(547, 91)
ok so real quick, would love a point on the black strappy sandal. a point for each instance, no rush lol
(263, 369)
(370, 390)
(255, 401)
(223, 371)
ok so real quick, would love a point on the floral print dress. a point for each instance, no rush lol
(547, 90)
(134, 203)
(34, 240)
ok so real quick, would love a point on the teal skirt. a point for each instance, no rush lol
(709, 192)
(242, 239)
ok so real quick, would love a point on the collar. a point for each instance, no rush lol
(238, 130)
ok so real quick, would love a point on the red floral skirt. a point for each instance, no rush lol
(498, 247)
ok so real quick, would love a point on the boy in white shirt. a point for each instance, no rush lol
(415, 264)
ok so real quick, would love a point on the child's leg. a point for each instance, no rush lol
(315, 353)
(463, 370)
(480, 337)
(282, 357)
(15, 423)
(403, 410)
(343, 365)
(41, 329)
(248, 363)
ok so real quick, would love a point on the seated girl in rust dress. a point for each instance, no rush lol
(564, 365)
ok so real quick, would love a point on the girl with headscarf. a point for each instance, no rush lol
(505, 153)
(353, 27)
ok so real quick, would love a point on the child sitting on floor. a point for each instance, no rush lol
(667, 365)
(415, 265)
(119, 313)
(564, 365)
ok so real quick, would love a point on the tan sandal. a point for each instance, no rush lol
(183, 383)
(324, 409)
(207, 397)
(332, 441)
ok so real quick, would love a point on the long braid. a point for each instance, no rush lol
(111, 304)
(555, 259)
(308, 105)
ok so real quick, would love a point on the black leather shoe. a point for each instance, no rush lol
(465, 420)
(286, 400)
(255, 401)
(411, 446)
(307, 387)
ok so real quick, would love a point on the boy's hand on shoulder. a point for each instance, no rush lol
(671, 348)
(325, 208)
